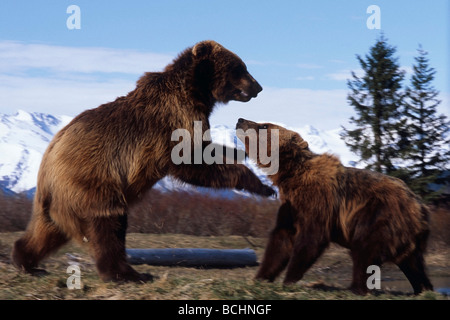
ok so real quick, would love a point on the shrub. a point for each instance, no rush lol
(15, 212)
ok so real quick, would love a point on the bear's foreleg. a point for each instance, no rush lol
(308, 246)
(106, 237)
(219, 176)
(362, 257)
(279, 247)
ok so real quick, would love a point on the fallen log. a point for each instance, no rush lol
(193, 257)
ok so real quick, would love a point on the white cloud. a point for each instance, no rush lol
(409, 71)
(339, 76)
(76, 79)
(21, 57)
(344, 75)
(58, 96)
(68, 80)
(309, 66)
(323, 109)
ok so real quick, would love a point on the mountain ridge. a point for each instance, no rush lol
(24, 136)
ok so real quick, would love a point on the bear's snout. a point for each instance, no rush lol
(245, 124)
(254, 87)
(247, 88)
(241, 124)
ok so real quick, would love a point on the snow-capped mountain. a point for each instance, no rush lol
(24, 137)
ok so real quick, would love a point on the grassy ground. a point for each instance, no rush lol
(327, 279)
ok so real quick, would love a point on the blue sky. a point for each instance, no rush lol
(300, 51)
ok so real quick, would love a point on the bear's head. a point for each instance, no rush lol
(268, 140)
(222, 73)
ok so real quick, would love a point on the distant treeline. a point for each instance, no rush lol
(172, 212)
(198, 214)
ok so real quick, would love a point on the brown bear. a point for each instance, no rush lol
(104, 159)
(375, 216)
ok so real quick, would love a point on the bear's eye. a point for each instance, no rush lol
(237, 72)
(263, 126)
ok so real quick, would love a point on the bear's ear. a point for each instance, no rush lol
(299, 142)
(304, 145)
(204, 49)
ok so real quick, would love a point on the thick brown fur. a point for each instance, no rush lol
(104, 159)
(376, 216)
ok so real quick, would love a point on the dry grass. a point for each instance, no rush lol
(179, 220)
(327, 279)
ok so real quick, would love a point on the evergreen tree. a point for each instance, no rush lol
(427, 152)
(377, 99)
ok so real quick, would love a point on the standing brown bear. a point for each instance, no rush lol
(377, 217)
(103, 160)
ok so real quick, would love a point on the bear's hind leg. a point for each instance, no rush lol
(41, 239)
(106, 237)
(413, 267)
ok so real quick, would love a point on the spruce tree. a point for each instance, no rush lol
(376, 98)
(427, 152)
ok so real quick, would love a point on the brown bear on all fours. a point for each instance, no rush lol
(376, 216)
(106, 157)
